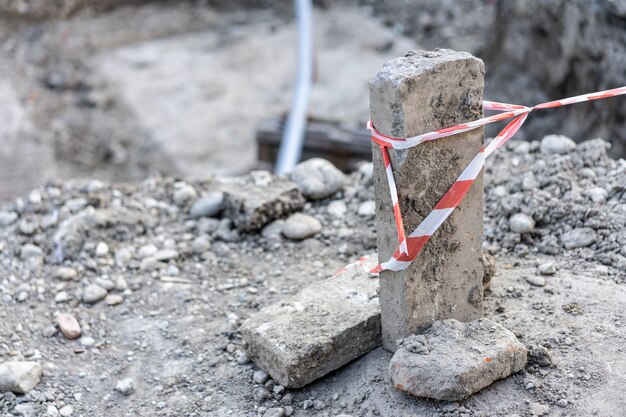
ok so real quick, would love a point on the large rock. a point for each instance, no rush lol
(317, 178)
(323, 327)
(253, 201)
(453, 360)
(19, 377)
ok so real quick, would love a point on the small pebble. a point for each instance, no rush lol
(93, 293)
(367, 209)
(521, 223)
(207, 206)
(556, 144)
(65, 273)
(337, 209)
(69, 326)
(30, 251)
(66, 411)
(301, 226)
(125, 386)
(260, 377)
(114, 299)
(547, 269)
(102, 249)
(536, 280)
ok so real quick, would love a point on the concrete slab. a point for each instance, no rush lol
(323, 327)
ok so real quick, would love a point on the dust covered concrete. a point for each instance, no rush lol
(447, 281)
(323, 327)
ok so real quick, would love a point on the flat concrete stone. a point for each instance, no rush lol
(415, 94)
(453, 360)
(253, 201)
(323, 327)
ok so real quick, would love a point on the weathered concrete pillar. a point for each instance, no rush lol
(419, 93)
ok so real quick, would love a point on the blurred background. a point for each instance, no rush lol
(120, 89)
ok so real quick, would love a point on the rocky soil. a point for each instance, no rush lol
(129, 296)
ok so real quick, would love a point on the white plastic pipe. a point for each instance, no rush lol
(293, 136)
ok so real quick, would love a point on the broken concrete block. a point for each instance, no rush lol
(453, 360)
(415, 94)
(253, 201)
(323, 327)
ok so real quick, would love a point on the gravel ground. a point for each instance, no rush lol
(158, 291)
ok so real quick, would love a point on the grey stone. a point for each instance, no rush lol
(321, 328)
(30, 251)
(7, 218)
(87, 341)
(367, 209)
(578, 238)
(597, 194)
(93, 293)
(65, 273)
(66, 411)
(274, 412)
(253, 201)
(260, 376)
(536, 280)
(556, 144)
(337, 209)
(125, 386)
(114, 299)
(207, 206)
(165, 255)
(317, 178)
(537, 409)
(24, 410)
(208, 225)
(418, 93)
(102, 249)
(183, 192)
(147, 251)
(547, 268)
(301, 226)
(521, 223)
(453, 360)
(52, 411)
(200, 244)
(274, 229)
(19, 377)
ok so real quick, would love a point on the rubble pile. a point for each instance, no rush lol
(557, 198)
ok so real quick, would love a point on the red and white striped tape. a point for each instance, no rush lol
(409, 247)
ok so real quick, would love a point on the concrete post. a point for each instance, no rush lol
(419, 93)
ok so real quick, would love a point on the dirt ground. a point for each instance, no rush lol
(94, 97)
(172, 325)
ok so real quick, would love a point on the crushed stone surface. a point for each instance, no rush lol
(573, 204)
(163, 304)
